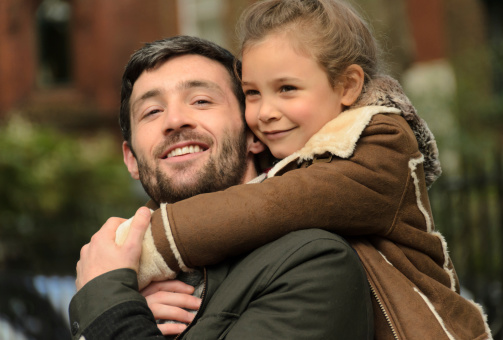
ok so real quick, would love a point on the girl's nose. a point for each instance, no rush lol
(268, 113)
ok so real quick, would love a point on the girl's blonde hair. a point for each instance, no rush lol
(330, 31)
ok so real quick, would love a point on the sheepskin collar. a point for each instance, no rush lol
(339, 136)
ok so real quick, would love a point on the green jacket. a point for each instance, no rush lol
(308, 284)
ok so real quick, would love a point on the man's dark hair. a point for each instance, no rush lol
(155, 53)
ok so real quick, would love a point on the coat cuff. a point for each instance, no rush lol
(153, 267)
(101, 294)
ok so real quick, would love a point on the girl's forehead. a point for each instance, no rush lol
(284, 38)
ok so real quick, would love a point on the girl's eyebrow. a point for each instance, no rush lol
(277, 80)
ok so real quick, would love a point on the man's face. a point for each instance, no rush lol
(187, 133)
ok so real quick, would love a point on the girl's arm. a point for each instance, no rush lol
(360, 195)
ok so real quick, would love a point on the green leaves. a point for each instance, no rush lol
(56, 191)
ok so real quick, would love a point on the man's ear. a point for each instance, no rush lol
(254, 145)
(130, 160)
(353, 80)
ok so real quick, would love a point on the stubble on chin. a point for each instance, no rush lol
(218, 173)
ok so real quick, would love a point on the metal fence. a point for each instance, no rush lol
(468, 210)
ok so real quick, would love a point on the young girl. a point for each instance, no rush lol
(356, 160)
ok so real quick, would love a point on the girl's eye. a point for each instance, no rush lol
(287, 88)
(202, 102)
(251, 93)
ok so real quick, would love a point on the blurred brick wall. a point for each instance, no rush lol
(17, 50)
(103, 35)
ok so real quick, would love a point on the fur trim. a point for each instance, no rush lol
(339, 136)
(386, 91)
(449, 271)
(171, 240)
(413, 166)
(434, 311)
(484, 316)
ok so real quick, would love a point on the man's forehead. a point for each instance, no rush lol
(185, 72)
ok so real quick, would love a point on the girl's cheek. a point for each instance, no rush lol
(250, 118)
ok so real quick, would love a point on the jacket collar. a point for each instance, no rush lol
(387, 95)
(338, 137)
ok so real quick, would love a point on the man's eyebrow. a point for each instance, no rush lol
(190, 84)
(145, 96)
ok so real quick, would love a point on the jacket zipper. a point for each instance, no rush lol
(203, 294)
(388, 320)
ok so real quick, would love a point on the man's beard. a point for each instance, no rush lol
(220, 172)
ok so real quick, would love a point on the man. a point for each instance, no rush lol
(184, 131)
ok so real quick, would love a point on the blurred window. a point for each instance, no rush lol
(53, 29)
(203, 18)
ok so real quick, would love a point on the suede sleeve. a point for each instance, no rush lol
(359, 195)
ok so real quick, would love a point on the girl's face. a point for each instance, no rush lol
(288, 95)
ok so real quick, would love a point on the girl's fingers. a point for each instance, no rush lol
(162, 312)
(174, 286)
(174, 300)
(171, 328)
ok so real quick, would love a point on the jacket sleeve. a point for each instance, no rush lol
(110, 307)
(359, 195)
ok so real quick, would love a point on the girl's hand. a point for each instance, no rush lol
(171, 300)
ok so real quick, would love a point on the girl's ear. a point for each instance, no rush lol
(130, 160)
(353, 80)
(254, 145)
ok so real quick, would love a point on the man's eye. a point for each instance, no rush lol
(151, 112)
(287, 88)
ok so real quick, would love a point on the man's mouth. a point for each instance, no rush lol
(184, 150)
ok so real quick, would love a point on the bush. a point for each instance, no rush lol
(57, 191)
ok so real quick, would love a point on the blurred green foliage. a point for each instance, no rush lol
(57, 191)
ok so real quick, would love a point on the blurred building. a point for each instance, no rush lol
(61, 60)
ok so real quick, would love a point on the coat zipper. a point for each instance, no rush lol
(388, 320)
(203, 294)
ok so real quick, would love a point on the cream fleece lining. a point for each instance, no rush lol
(152, 265)
(171, 240)
(339, 136)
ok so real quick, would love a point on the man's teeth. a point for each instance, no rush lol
(185, 150)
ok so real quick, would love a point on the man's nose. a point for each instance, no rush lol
(177, 117)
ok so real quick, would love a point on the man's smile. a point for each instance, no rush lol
(184, 151)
